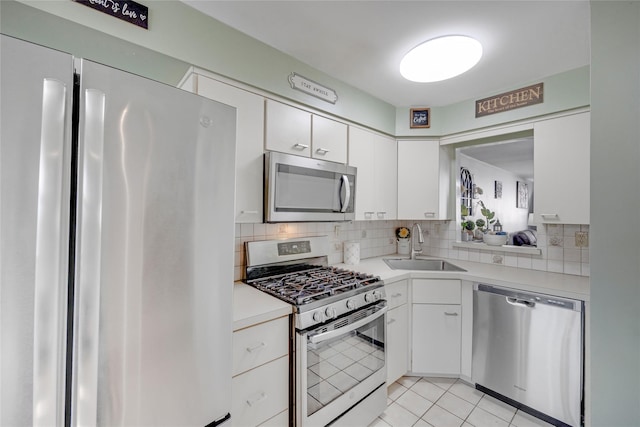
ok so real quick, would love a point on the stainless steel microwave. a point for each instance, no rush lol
(298, 189)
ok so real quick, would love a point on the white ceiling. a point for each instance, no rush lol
(361, 42)
(514, 155)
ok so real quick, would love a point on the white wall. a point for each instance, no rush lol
(615, 203)
(512, 218)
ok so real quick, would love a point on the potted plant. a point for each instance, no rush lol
(480, 223)
(467, 230)
(489, 215)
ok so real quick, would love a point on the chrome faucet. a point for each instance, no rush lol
(415, 251)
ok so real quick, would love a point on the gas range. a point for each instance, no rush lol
(338, 339)
(296, 271)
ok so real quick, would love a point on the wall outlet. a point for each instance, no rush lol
(364, 234)
(582, 239)
(336, 231)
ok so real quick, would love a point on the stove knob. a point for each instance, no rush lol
(330, 312)
(317, 316)
(376, 295)
(351, 304)
(369, 297)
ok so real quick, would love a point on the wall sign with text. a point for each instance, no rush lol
(312, 88)
(420, 118)
(518, 98)
(127, 10)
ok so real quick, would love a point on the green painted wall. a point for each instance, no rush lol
(615, 202)
(179, 36)
(180, 32)
(564, 91)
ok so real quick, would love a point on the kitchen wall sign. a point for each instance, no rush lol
(127, 10)
(518, 98)
(312, 88)
(420, 118)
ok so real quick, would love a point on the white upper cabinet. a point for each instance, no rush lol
(561, 169)
(288, 129)
(423, 180)
(295, 131)
(249, 141)
(376, 158)
(328, 139)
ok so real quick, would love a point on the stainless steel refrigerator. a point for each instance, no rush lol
(116, 246)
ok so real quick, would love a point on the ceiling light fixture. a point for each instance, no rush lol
(440, 59)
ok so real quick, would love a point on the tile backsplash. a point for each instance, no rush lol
(564, 247)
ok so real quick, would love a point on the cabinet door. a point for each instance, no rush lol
(419, 180)
(329, 140)
(436, 339)
(398, 342)
(249, 144)
(361, 155)
(288, 129)
(260, 393)
(561, 169)
(386, 177)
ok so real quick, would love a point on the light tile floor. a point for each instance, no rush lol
(447, 402)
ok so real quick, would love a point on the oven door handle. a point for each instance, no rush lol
(315, 339)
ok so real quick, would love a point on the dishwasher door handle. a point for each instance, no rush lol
(523, 302)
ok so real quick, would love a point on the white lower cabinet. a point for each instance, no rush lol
(260, 385)
(397, 330)
(436, 327)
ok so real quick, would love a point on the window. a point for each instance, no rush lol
(466, 190)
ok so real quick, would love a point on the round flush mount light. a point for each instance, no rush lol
(440, 59)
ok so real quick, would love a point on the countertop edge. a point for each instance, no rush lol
(252, 307)
(557, 284)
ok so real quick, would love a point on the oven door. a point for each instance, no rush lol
(305, 189)
(339, 364)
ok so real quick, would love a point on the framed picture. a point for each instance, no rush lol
(522, 196)
(420, 118)
(497, 190)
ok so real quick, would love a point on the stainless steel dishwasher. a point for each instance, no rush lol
(528, 352)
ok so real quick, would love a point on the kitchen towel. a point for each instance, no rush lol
(351, 253)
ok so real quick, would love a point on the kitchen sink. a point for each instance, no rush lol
(421, 264)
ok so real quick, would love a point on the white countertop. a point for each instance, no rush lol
(564, 285)
(251, 306)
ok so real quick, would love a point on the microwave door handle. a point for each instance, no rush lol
(347, 195)
(315, 339)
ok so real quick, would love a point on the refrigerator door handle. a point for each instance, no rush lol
(50, 284)
(89, 254)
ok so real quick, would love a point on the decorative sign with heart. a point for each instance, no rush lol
(127, 10)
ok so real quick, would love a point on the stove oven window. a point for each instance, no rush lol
(337, 365)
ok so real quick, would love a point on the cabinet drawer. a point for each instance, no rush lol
(259, 344)
(260, 393)
(396, 294)
(436, 291)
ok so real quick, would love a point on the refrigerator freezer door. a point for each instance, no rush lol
(35, 96)
(154, 274)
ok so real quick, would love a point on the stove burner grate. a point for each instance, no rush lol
(303, 287)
